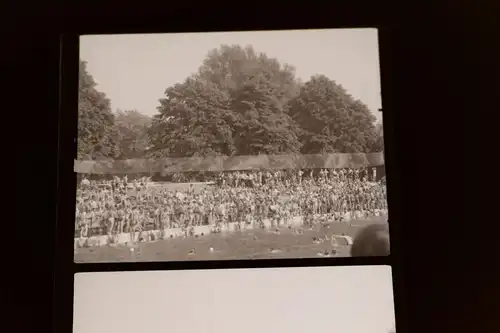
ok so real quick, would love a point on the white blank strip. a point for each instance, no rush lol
(270, 300)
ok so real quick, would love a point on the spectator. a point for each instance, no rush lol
(280, 196)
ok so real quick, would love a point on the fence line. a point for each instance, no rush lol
(230, 163)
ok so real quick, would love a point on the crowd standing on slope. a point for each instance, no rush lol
(120, 205)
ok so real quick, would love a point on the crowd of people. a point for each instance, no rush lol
(119, 205)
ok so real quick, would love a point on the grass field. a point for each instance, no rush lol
(252, 244)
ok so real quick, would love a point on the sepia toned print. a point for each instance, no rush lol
(207, 147)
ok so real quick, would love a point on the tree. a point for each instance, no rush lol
(330, 120)
(97, 137)
(378, 145)
(237, 103)
(132, 127)
(231, 67)
(194, 120)
(263, 125)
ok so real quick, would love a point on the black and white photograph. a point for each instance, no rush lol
(349, 299)
(228, 146)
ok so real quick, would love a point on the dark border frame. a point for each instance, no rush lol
(65, 266)
(442, 68)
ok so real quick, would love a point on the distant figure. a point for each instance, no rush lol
(85, 181)
(372, 241)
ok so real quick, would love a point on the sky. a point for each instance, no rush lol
(269, 300)
(134, 70)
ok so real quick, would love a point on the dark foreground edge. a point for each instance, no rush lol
(229, 264)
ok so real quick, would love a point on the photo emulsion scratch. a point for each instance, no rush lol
(235, 145)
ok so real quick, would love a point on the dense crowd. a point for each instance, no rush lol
(120, 205)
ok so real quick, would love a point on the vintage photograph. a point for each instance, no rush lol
(354, 299)
(230, 145)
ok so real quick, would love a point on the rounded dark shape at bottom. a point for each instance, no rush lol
(372, 241)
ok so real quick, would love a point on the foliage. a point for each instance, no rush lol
(332, 121)
(231, 67)
(239, 102)
(236, 104)
(97, 139)
(194, 119)
(131, 127)
(378, 145)
(263, 125)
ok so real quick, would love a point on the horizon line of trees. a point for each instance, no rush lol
(239, 102)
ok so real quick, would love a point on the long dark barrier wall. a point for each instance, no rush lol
(230, 163)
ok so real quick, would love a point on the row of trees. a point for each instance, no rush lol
(239, 102)
(103, 134)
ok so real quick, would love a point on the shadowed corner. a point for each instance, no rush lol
(372, 240)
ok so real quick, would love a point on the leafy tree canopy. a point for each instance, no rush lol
(237, 103)
(131, 127)
(331, 120)
(97, 138)
(378, 145)
(194, 119)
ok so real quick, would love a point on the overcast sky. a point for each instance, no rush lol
(135, 70)
(269, 300)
